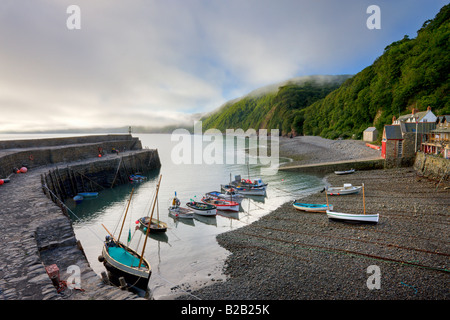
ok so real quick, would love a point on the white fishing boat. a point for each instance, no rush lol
(201, 208)
(227, 195)
(347, 188)
(367, 218)
(255, 183)
(354, 217)
(180, 212)
(251, 191)
(345, 172)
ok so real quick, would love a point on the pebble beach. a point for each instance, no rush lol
(295, 255)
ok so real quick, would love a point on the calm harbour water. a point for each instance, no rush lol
(187, 255)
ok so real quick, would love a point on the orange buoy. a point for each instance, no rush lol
(1, 182)
(23, 169)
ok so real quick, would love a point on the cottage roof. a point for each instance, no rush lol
(441, 119)
(422, 127)
(393, 132)
(370, 129)
(411, 117)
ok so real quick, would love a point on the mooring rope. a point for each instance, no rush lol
(62, 203)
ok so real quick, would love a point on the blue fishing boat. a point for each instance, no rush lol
(88, 194)
(137, 178)
(312, 207)
(122, 261)
(78, 199)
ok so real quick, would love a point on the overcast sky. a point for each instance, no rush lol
(152, 63)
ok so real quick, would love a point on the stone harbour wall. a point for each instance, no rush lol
(36, 233)
(66, 182)
(53, 142)
(432, 166)
(35, 153)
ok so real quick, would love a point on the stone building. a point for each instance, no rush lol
(404, 140)
(437, 141)
(370, 134)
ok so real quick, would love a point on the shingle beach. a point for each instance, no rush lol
(294, 255)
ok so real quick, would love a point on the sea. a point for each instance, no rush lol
(187, 256)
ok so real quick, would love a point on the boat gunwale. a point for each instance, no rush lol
(353, 216)
(117, 264)
(312, 209)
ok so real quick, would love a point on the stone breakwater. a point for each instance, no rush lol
(35, 233)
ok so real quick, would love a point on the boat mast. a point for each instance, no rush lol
(148, 229)
(364, 200)
(124, 218)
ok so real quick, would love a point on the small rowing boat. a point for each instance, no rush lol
(250, 191)
(203, 209)
(78, 199)
(312, 207)
(346, 189)
(137, 178)
(367, 218)
(179, 212)
(88, 194)
(227, 195)
(222, 204)
(354, 217)
(345, 172)
(155, 224)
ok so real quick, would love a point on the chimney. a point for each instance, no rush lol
(393, 119)
(429, 108)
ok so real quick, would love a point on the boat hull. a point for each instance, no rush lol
(308, 207)
(202, 209)
(222, 204)
(155, 225)
(133, 276)
(246, 191)
(88, 194)
(137, 178)
(341, 191)
(230, 197)
(363, 218)
(345, 172)
(78, 199)
(180, 212)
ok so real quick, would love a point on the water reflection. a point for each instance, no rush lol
(187, 253)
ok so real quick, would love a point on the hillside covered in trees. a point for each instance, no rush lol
(273, 107)
(411, 73)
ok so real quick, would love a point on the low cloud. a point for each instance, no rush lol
(154, 63)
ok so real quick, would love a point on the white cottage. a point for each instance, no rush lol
(416, 116)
